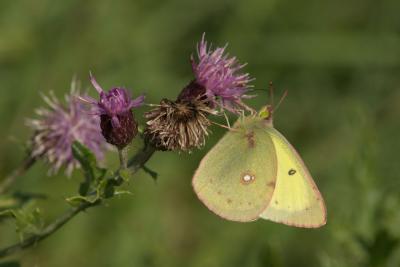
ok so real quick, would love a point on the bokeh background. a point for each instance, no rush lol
(339, 61)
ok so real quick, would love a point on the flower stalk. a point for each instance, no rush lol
(134, 164)
(123, 158)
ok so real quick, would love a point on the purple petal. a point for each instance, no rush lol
(95, 84)
(115, 122)
(219, 74)
(59, 125)
(137, 101)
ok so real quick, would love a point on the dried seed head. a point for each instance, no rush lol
(180, 125)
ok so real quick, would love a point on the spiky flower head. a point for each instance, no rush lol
(178, 125)
(58, 126)
(117, 122)
(220, 76)
(182, 124)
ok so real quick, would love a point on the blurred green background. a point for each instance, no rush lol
(340, 62)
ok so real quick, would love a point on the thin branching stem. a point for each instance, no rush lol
(51, 228)
(136, 163)
(9, 181)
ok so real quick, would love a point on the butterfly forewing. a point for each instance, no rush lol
(296, 200)
(237, 177)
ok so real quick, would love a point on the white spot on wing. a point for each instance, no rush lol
(247, 178)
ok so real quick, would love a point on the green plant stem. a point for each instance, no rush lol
(123, 158)
(134, 164)
(138, 160)
(51, 228)
(7, 182)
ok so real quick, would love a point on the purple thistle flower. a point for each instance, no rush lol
(58, 126)
(220, 77)
(115, 102)
(117, 122)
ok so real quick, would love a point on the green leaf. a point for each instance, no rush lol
(125, 175)
(105, 189)
(8, 202)
(153, 174)
(75, 201)
(18, 199)
(28, 220)
(83, 154)
(87, 160)
(84, 188)
(7, 214)
(108, 189)
(122, 192)
(100, 173)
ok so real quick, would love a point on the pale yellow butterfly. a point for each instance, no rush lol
(254, 172)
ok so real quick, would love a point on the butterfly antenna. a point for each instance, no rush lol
(281, 100)
(227, 119)
(271, 93)
(260, 89)
(221, 125)
(228, 127)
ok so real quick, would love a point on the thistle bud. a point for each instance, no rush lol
(117, 122)
(123, 134)
(192, 91)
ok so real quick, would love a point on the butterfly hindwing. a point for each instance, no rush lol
(237, 177)
(296, 200)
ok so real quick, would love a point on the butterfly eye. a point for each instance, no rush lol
(264, 113)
